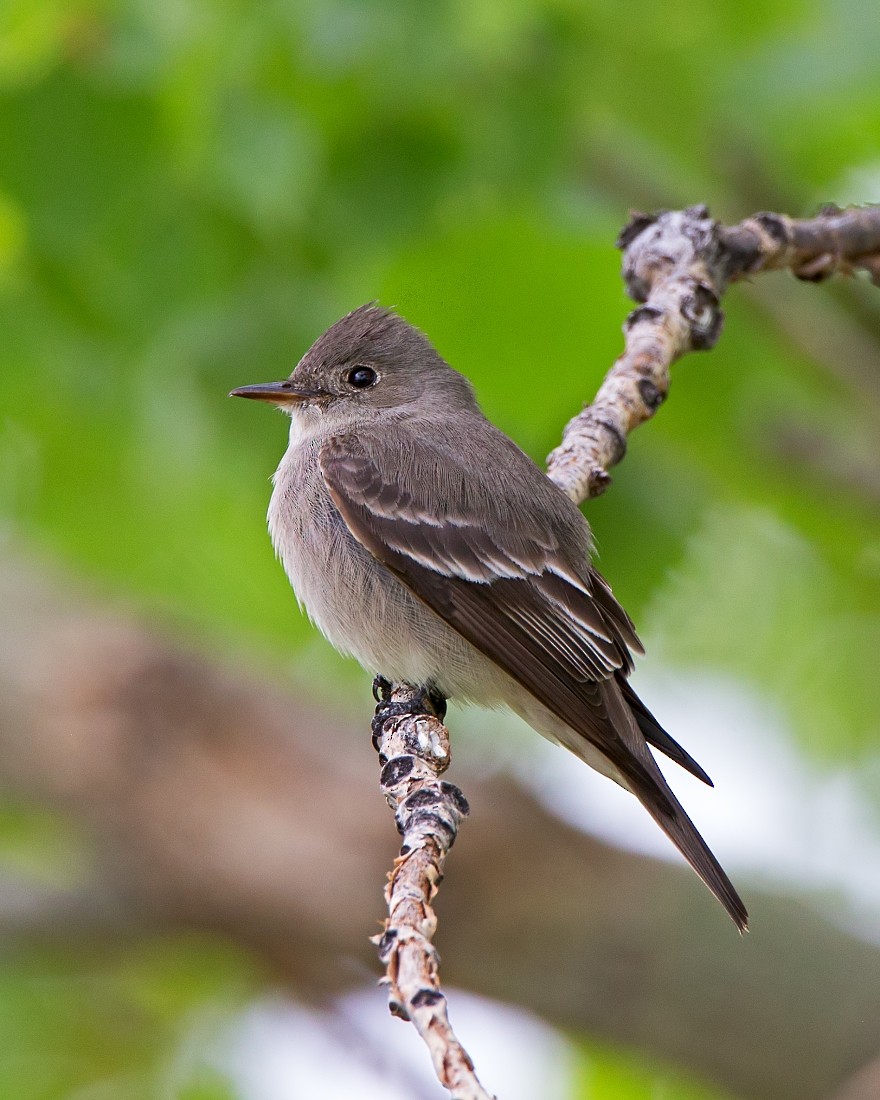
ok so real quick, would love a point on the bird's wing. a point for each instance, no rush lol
(455, 556)
(506, 587)
(510, 590)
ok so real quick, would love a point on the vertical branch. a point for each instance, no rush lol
(413, 747)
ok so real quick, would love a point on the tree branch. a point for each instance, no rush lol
(413, 746)
(678, 265)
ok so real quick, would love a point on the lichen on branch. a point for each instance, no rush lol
(677, 265)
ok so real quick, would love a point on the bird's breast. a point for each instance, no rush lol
(360, 606)
(313, 543)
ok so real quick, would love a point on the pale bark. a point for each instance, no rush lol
(678, 265)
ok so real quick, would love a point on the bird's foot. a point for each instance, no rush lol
(382, 689)
(427, 700)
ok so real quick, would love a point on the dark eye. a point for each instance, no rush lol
(361, 377)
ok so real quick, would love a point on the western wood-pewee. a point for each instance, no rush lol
(425, 543)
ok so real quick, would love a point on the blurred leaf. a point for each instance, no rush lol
(530, 313)
(755, 597)
(41, 844)
(31, 36)
(606, 1073)
(135, 1024)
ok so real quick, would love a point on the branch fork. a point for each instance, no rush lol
(677, 265)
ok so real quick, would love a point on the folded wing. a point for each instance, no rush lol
(512, 589)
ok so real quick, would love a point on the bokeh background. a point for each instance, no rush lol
(190, 192)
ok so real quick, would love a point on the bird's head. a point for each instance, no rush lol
(370, 360)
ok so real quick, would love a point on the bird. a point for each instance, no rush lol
(422, 541)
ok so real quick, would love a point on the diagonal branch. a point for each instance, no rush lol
(678, 265)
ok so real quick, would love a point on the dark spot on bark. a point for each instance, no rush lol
(426, 997)
(643, 313)
(619, 449)
(455, 795)
(435, 823)
(637, 224)
(598, 481)
(424, 797)
(772, 224)
(386, 944)
(636, 287)
(812, 276)
(399, 767)
(816, 269)
(652, 397)
(700, 310)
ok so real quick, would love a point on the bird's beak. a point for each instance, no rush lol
(277, 393)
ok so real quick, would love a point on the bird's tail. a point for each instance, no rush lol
(633, 768)
(656, 735)
(685, 836)
(656, 796)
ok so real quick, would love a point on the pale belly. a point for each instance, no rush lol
(366, 612)
(360, 607)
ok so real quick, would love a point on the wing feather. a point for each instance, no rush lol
(519, 598)
(530, 611)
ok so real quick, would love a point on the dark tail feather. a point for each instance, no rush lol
(657, 736)
(684, 835)
(657, 798)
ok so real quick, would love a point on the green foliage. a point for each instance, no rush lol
(609, 1073)
(191, 190)
(128, 1024)
(39, 845)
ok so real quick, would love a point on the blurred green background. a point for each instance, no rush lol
(191, 191)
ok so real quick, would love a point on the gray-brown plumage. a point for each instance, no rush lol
(424, 542)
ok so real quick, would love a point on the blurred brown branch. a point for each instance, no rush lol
(199, 786)
(864, 1085)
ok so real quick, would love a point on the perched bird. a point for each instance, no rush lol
(421, 540)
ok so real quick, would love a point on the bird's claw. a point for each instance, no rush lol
(427, 700)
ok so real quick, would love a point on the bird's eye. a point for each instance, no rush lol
(361, 377)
